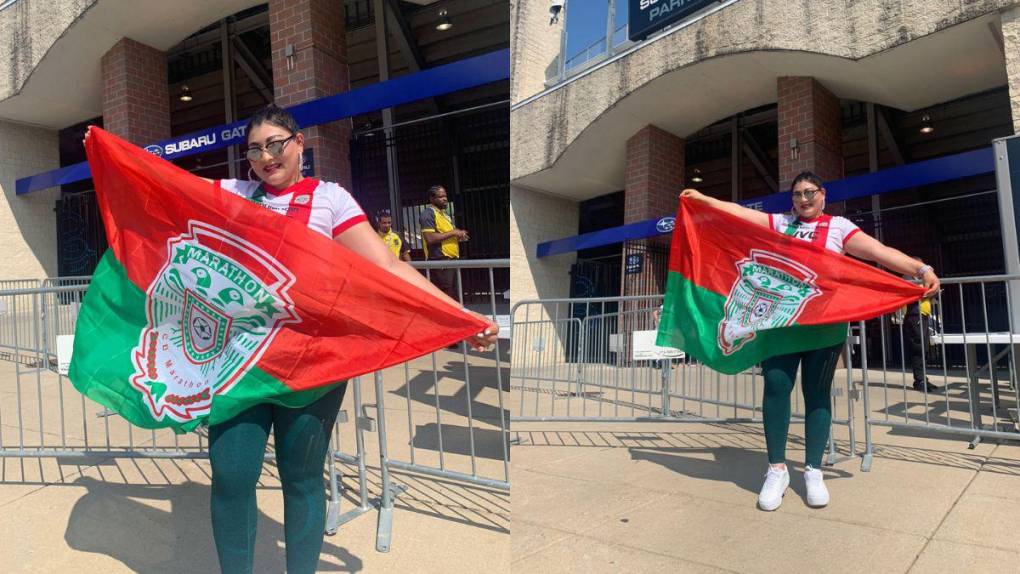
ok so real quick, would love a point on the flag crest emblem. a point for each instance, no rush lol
(211, 310)
(770, 292)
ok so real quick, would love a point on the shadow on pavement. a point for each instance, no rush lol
(422, 388)
(457, 440)
(166, 528)
(742, 467)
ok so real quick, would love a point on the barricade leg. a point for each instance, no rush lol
(334, 519)
(866, 458)
(384, 531)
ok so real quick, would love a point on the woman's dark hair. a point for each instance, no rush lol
(275, 115)
(807, 176)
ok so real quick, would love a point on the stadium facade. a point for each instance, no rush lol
(894, 103)
(180, 78)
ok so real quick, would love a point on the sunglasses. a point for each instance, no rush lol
(273, 148)
(807, 194)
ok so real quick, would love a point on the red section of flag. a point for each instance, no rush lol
(708, 242)
(355, 316)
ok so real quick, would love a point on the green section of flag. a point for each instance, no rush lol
(256, 387)
(109, 325)
(690, 322)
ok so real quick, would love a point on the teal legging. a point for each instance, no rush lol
(236, 449)
(817, 369)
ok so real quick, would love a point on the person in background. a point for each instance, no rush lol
(396, 245)
(442, 240)
(916, 322)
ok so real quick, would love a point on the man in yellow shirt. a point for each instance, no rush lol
(916, 326)
(390, 238)
(442, 239)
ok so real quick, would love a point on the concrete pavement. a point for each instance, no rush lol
(152, 515)
(680, 497)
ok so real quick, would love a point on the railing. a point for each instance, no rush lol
(592, 53)
(463, 438)
(977, 395)
(458, 432)
(580, 360)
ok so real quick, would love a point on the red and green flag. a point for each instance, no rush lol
(738, 292)
(206, 304)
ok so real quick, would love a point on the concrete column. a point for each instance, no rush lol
(136, 100)
(28, 232)
(309, 48)
(536, 217)
(534, 46)
(1011, 41)
(809, 116)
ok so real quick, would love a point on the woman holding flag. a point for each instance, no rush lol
(808, 222)
(302, 428)
(275, 147)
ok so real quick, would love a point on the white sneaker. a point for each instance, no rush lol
(776, 482)
(817, 494)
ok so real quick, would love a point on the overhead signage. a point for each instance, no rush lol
(437, 81)
(666, 224)
(197, 142)
(647, 16)
(308, 163)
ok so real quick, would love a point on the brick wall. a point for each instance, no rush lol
(318, 68)
(655, 174)
(136, 100)
(811, 114)
(654, 179)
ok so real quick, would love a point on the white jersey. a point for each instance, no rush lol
(823, 231)
(322, 206)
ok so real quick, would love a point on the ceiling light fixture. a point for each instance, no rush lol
(697, 176)
(926, 127)
(444, 21)
(185, 94)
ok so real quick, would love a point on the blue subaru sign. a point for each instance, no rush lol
(665, 225)
(647, 16)
(198, 142)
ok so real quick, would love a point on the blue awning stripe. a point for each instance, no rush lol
(445, 79)
(948, 168)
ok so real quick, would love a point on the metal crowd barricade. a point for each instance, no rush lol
(47, 418)
(465, 435)
(967, 346)
(50, 419)
(574, 361)
(15, 323)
